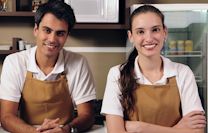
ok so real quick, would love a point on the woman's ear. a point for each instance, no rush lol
(130, 36)
(166, 33)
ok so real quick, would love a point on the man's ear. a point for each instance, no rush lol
(35, 30)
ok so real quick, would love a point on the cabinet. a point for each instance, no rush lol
(15, 15)
(20, 16)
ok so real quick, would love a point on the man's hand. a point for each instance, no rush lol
(194, 119)
(52, 126)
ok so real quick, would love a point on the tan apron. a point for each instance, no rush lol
(45, 99)
(157, 104)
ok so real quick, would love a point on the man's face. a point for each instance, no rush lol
(50, 35)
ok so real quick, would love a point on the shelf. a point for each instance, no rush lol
(28, 17)
(17, 14)
(198, 79)
(6, 52)
(183, 54)
(99, 26)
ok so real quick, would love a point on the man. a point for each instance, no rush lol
(45, 81)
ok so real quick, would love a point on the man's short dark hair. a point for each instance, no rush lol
(59, 9)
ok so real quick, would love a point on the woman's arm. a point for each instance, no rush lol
(193, 122)
(194, 119)
(142, 127)
(115, 124)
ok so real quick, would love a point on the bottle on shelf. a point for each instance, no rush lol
(188, 46)
(180, 46)
(172, 47)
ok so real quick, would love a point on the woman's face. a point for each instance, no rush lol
(148, 34)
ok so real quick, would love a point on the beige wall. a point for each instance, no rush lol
(100, 62)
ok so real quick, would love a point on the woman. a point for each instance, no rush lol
(149, 93)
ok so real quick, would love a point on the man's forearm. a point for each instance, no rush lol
(82, 122)
(14, 124)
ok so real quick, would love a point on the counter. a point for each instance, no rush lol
(95, 129)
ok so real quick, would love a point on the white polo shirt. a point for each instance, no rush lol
(78, 74)
(185, 79)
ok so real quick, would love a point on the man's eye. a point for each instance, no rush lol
(140, 32)
(48, 31)
(60, 34)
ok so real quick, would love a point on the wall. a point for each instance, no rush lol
(100, 62)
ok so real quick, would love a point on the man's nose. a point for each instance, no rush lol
(52, 37)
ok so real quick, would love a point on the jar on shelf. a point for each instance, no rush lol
(180, 46)
(35, 5)
(172, 47)
(188, 46)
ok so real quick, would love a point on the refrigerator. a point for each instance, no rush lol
(187, 40)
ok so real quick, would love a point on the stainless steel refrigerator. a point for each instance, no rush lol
(187, 39)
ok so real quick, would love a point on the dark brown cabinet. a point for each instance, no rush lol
(18, 15)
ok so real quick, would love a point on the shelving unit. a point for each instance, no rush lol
(122, 25)
(14, 47)
(183, 54)
(16, 16)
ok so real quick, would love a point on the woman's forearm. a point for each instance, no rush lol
(142, 127)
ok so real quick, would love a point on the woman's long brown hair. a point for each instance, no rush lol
(127, 81)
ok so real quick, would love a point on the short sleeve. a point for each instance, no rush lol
(111, 101)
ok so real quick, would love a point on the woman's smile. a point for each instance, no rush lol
(149, 46)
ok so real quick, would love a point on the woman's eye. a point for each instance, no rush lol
(156, 30)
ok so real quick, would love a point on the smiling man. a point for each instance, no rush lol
(46, 82)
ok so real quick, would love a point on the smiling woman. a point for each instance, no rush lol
(149, 89)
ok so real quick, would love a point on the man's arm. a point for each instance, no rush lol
(10, 121)
(85, 117)
(82, 122)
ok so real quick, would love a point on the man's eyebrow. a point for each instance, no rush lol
(45, 27)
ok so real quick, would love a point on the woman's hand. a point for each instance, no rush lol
(134, 126)
(194, 120)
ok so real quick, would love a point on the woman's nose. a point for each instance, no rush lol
(148, 37)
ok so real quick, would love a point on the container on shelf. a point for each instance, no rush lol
(188, 46)
(172, 47)
(24, 5)
(180, 46)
